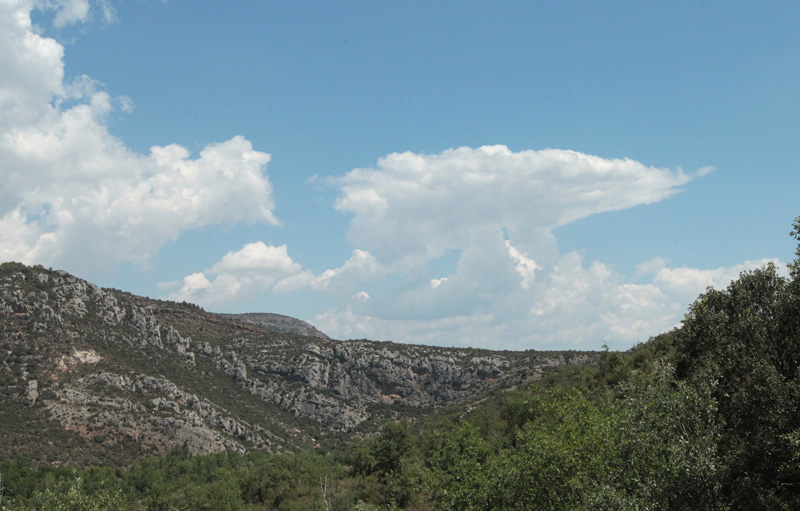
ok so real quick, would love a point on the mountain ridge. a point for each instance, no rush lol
(100, 375)
(278, 323)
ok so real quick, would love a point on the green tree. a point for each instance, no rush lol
(747, 338)
(396, 466)
(360, 457)
(70, 496)
(667, 445)
(392, 446)
(562, 456)
(794, 266)
(221, 494)
(457, 461)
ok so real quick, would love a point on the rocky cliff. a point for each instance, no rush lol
(90, 375)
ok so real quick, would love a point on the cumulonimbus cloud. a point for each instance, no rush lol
(414, 207)
(496, 209)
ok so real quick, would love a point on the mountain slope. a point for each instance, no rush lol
(279, 323)
(90, 375)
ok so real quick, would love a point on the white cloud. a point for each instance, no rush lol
(687, 283)
(414, 207)
(257, 260)
(510, 287)
(361, 296)
(75, 196)
(650, 266)
(359, 269)
(260, 268)
(525, 266)
(109, 14)
(69, 12)
(575, 306)
(195, 282)
(241, 274)
(32, 67)
(296, 282)
(345, 323)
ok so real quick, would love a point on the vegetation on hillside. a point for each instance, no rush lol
(703, 417)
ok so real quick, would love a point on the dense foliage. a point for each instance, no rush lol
(704, 417)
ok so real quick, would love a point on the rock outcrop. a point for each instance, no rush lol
(31, 393)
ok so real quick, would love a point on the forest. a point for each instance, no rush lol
(702, 417)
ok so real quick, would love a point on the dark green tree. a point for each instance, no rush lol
(458, 459)
(747, 338)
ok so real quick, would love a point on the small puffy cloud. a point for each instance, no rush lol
(704, 171)
(195, 282)
(257, 260)
(69, 12)
(650, 266)
(107, 10)
(125, 104)
(241, 274)
(295, 282)
(75, 196)
(359, 269)
(346, 324)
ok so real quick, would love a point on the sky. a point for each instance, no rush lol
(505, 175)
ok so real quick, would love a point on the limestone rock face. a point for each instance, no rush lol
(31, 392)
(108, 375)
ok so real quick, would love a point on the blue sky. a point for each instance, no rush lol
(508, 175)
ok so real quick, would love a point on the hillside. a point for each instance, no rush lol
(94, 375)
(279, 323)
